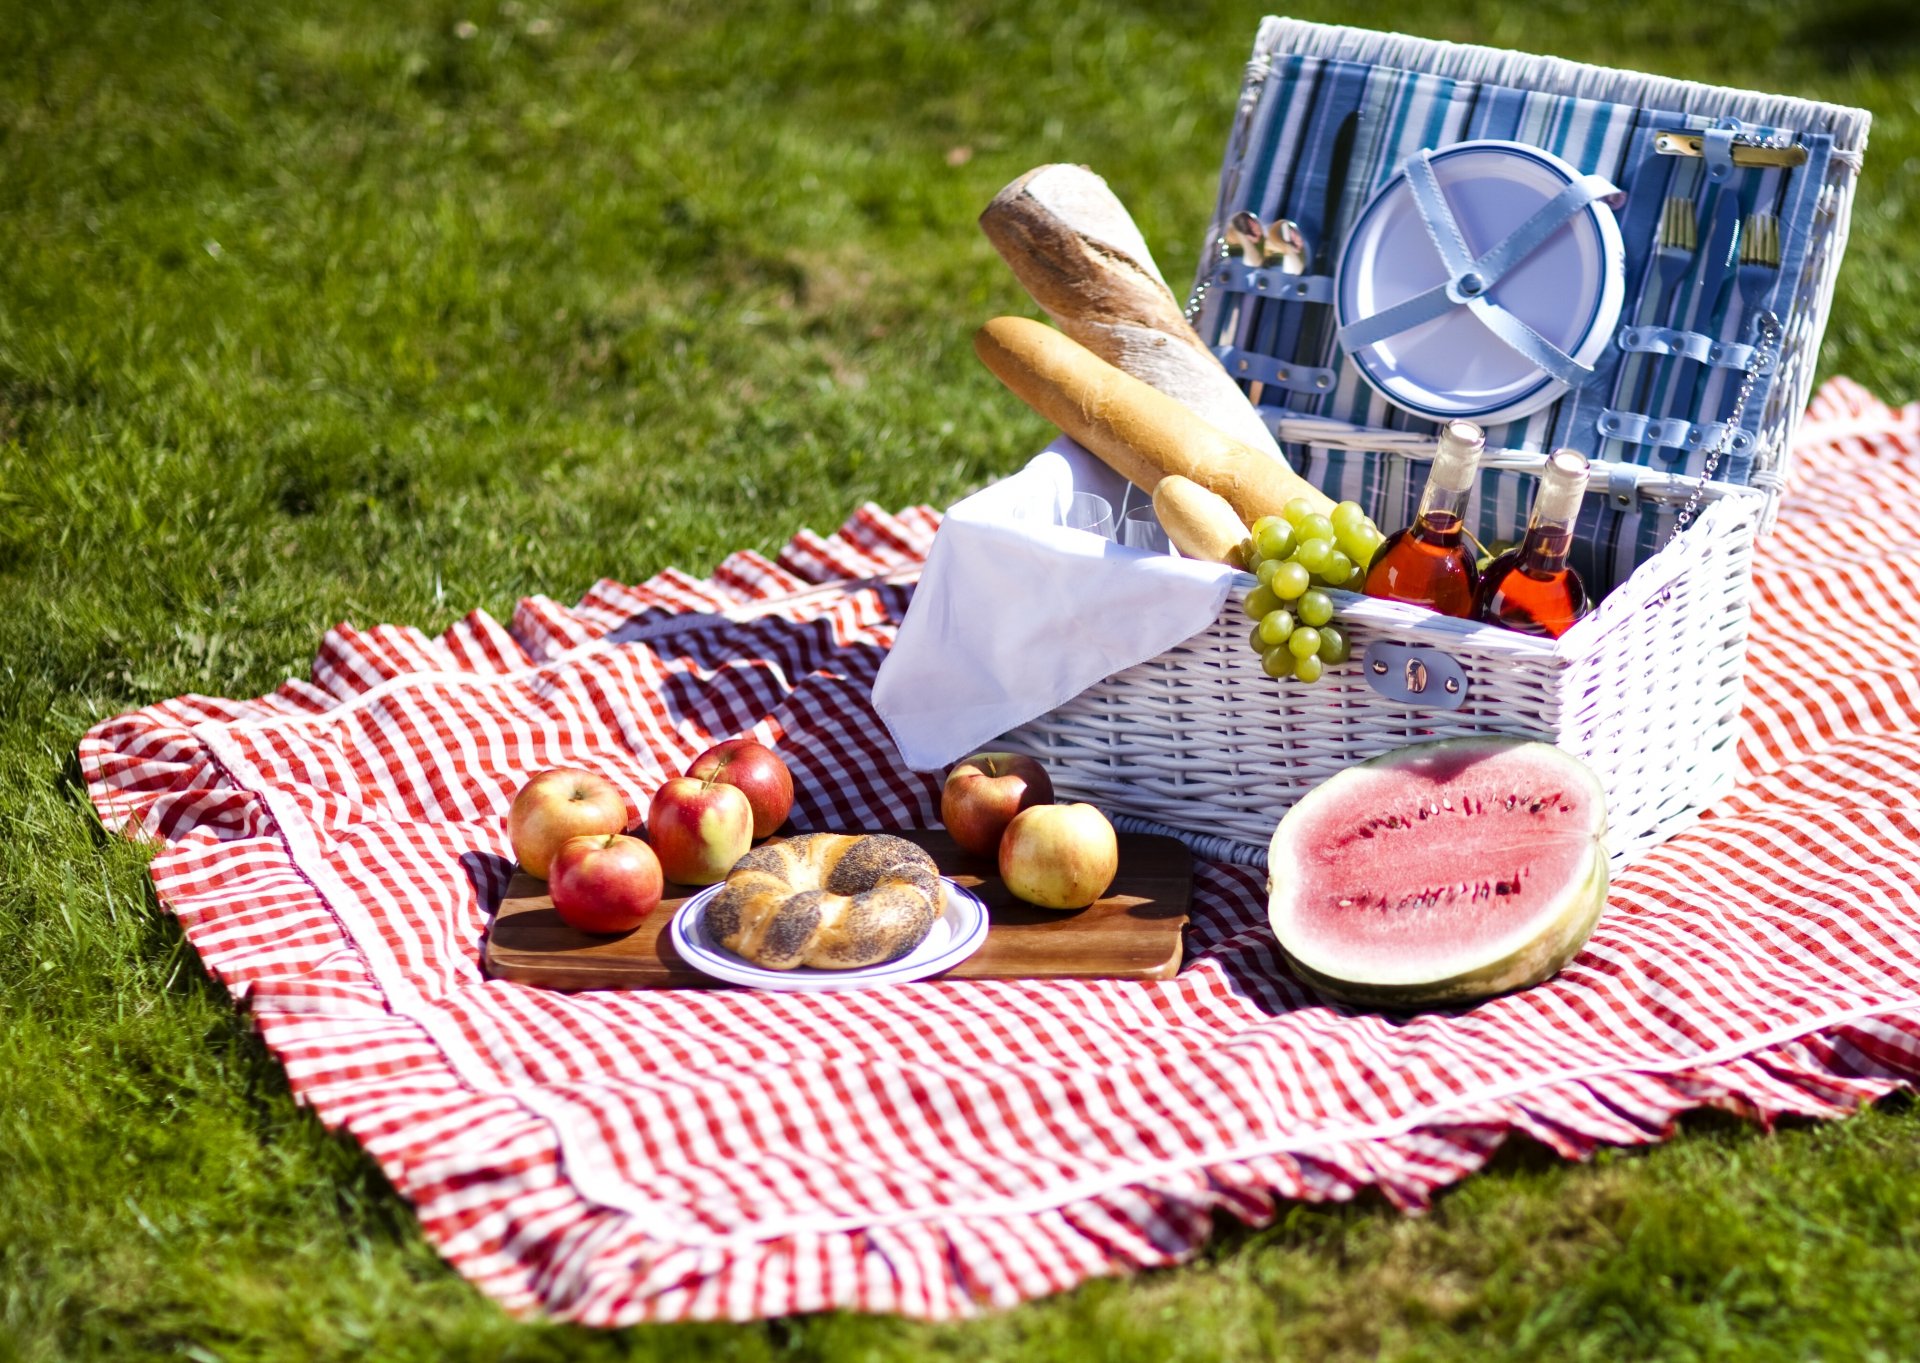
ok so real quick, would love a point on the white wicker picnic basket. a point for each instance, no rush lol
(1647, 689)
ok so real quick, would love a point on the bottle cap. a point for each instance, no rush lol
(1459, 456)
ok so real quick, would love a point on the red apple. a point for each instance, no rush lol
(699, 829)
(758, 771)
(1059, 856)
(985, 791)
(604, 882)
(557, 804)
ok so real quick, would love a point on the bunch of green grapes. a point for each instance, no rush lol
(1296, 556)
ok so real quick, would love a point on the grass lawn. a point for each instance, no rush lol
(387, 311)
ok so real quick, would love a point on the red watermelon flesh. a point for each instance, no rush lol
(1442, 871)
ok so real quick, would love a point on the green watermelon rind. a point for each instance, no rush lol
(1565, 925)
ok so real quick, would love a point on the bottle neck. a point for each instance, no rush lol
(1443, 510)
(1443, 503)
(1555, 506)
(1545, 548)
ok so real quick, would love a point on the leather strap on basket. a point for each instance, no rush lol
(1469, 280)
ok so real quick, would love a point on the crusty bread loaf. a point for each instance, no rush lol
(1140, 432)
(828, 900)
(1200, 523)
(1071, 242)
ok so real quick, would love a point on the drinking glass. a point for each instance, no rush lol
(1090, 512)
(1141, 529)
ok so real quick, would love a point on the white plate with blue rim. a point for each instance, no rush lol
(955, 935)
(1569, 290)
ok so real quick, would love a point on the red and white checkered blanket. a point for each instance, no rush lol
(333, 850)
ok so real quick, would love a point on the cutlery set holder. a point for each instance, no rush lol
(1686, 406)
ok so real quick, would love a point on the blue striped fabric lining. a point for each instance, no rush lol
(1400, 112)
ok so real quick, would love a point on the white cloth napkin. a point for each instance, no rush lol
(1015, 615)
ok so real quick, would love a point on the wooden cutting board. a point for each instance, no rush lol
(1131, 934)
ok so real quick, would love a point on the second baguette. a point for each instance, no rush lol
(1200, 523)
(1135, 429)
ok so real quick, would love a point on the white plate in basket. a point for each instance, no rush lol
(1570, 290)
(956, 934)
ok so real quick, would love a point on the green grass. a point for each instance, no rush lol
(324, 311)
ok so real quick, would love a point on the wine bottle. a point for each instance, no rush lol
(1530, 587)
(1431, 562)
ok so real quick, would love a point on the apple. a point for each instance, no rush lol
(985, 791)
(604, 882)
(699, 828)
(557, 804)
(758, 771)
(1059, 856)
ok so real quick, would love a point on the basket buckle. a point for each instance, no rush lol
(1414, 674)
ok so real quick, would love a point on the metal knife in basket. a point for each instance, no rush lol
(1318, 325)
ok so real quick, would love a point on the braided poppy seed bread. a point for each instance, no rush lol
(832, 901)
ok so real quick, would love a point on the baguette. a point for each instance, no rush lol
(1201, 524)
(1138, 431)
(1071, 243)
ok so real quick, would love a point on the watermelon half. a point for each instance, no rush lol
(1441, 873)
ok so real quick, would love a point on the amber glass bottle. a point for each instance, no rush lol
(1531, 588)
(1431, 562)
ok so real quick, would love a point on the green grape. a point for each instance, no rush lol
(1303, 641)
(1264, 523)
(1266, 568)
(1297, 510)
(1262, 599)
(1339, 568)
(1289, 580)
(1277, 663)
(1249, 553)
(1357, 582)
(1314, 527)
(1348, 517)
(1333, 644)
(1273, 629)
(1274, 537)
(1313, 554)
(1309, 668)
(1255, 642)
(1315, 607)
(1360, 544)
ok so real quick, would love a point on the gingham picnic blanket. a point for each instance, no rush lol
(934, 1149)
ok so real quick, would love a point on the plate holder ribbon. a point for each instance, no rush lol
(1470, 280)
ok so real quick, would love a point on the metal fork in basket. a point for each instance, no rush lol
(1758, 272)
(1673, 251)
(1759, 267)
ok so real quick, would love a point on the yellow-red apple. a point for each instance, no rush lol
(699, 829)
(758, 771)
(604, 882)
(1059, 856)
(985, 791)
(557, 804)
